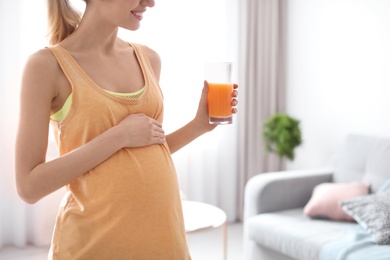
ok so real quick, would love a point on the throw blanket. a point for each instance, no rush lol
(355, 243)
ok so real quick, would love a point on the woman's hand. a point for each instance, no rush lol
(199, 125)
(139, 130)
(202, 116)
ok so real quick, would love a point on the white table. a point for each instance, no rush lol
(200, 216)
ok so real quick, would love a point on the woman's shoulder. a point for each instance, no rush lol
(154, 59)
(42, 59)
(152, 54)
(42, 70)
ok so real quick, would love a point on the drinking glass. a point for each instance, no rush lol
(218, 75)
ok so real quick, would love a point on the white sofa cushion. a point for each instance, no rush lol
(377, 169)
(351, 163)
(364, 159)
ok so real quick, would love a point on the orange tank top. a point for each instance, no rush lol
(129, 206)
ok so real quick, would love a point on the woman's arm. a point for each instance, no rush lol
(36, 178)
(199, 125)
(195, 128)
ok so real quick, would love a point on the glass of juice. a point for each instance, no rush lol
(218, 75)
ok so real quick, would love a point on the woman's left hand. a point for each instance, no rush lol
(202, 116)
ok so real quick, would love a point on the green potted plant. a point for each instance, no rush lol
(282, 134)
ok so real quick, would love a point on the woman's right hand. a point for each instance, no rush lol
(139, 130)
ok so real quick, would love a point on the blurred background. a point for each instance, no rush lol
(325, 62)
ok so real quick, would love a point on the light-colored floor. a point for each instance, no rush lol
(204, 245)
(208, 244)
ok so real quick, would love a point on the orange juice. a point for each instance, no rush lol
(219, 103)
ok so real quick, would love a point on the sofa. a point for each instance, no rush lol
(276, 223)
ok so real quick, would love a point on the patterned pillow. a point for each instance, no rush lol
(372, 212)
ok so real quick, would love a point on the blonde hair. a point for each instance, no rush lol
(63, 20)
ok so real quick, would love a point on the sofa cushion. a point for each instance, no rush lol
(365, 159)
(372, 213)
(326, 198)
(378, 165)
(351, 163)
(292, 233)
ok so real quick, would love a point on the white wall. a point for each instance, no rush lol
(338, 73)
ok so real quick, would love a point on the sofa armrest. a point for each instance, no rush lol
(282, 190)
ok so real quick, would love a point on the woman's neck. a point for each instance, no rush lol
(93, 35)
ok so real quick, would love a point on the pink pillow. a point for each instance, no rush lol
(326, 198)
